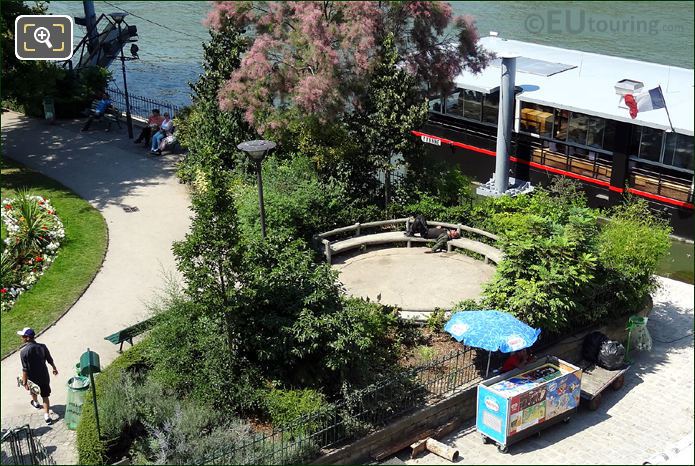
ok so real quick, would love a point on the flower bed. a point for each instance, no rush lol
(34, 234)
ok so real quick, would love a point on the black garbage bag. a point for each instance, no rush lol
(611, 355)
(592, 345)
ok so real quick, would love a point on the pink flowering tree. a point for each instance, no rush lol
(318, 56)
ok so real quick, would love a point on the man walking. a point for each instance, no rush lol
(34, 357)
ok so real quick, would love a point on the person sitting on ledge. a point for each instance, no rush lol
(439, 234)
(153, 122)
(165, 129)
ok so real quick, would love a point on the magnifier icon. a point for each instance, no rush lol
(42, 36)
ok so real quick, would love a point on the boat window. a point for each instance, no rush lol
(578, 128)
(454, 104)
(472, 104)
(669, 147)
(633, 142)
(595, 132)
(536, 119)
(491, 104)
(610, 127)
(436, 104)
(650, 144)
(683, 153)
(561, 123)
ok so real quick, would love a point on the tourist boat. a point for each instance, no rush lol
(570, 119)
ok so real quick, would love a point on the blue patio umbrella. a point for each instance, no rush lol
(492, 331)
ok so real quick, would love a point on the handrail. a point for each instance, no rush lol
(357, 227)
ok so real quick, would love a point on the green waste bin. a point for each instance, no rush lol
(638, 337)
(77, 389)
(49, 110)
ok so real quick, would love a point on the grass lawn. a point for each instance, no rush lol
(78, 260)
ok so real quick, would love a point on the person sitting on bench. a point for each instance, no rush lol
(439, 234)
(165, 129)
(101, 107)
(153, 123)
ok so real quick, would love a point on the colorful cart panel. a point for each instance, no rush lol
(514, 405)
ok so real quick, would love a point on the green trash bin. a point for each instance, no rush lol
(49, 110)
(638, 337)
(77, 389)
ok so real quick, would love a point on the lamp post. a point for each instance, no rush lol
(257, 150)
(118, 19)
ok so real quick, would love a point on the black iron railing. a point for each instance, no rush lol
(19, 446)
(141, 107)
(357, 414)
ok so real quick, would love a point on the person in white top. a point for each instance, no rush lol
(165, 128)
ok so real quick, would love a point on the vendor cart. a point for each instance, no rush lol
(596, 379)
(522, 402)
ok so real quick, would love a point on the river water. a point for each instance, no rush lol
(660, 32)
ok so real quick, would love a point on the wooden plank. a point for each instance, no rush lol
(595, 379)
(415, 438)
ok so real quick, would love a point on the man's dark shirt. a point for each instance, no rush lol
(34, 357)
(433, 233)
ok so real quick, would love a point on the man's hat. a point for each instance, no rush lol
(27, 332)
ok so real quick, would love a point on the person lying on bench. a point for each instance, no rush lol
(153, 123)
(439, 234)
(101, 107)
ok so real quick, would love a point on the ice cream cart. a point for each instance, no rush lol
(522, 402)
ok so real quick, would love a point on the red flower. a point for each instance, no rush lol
(38, 259)
(8, 206)
(3, 291)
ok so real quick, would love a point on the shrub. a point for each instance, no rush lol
(436, 320)
(90, 449)
(630, 246)
(73, 91)
(285, 407)
(297, 202)
(546, 267)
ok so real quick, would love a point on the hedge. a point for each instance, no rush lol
(90, 449)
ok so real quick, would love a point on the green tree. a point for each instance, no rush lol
(630, 246)
(393, 108)
(209, 256)
(545, 269)
(210, 134)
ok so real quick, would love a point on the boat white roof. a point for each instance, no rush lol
(588, 86)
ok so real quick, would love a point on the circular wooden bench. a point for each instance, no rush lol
(331, 248)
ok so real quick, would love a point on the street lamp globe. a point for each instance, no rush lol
(257, 149)
(118, 16)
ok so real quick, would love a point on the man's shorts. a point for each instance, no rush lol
(45, 390)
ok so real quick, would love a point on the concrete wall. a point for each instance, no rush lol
(461, 406)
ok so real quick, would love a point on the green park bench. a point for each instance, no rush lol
(128, 333)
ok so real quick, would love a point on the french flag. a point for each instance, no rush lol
(651, 100)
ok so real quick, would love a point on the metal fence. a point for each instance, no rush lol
(141, 107)
(358, 414)
(19, 446)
